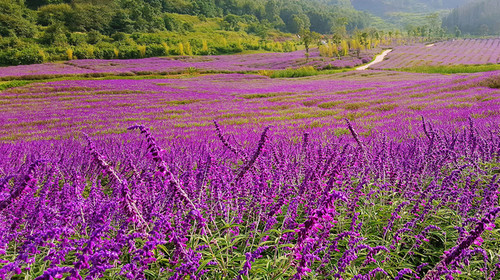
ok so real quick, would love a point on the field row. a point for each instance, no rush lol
(189, 104)
(456, 52)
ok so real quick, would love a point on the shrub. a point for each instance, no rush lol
(294, 73)
(94, 37)
(69, 52)
(128, 52)
(204, 47)
(77, 38)
(142, 50)
(156, 50)
(181, 49)
(188, 49)
(54, 35)
(30, 55)
(84, 51)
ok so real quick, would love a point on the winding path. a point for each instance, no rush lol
(377, 59)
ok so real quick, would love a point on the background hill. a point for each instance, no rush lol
(477, 18)
(383, 7)
(109, 16)
(34, 31)
(404, 13)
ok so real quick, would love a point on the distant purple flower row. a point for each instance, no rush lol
(239, 62)
(468, 51)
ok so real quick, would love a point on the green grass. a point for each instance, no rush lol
(330, 104)
(12, 84)
(305, 71)
(266, 95)
(356, 105)
(450, 69)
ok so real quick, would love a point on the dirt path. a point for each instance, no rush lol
(378, 59)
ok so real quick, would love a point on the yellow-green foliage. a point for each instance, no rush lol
(335, 50)
(188, 49)
(166, 47)
(294, 73)
(267, 73)
(344, 47)
(329, 50)
(288, 46)
(43, 55)
(69, 53)
(356, 105)
(459, 105)
(354, 44)
(323, 50)
(331, 104)
(204, 46)
(385, 107)
(204, 36)
(181, 49)
(369, 44)
(142, 50)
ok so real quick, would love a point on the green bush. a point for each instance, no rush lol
(128, 52)
(155, 50)
(104, 52)
(84, 51)
(12, 84)
(29, 55)
(56, 53)
(230, 48)
(54, 35)
(94, 37)
(147, 38)
(295, 73)
(77, 38)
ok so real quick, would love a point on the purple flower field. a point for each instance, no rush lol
(233, 63)
(466, 52)
(356, 175)
(189, 105)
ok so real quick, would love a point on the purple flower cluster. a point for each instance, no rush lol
(108, 207)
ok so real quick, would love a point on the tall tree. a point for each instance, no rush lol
(16, 20)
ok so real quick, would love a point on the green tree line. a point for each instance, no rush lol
(33, 31)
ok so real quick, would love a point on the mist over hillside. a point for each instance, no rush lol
(384, 7)
(477, 18)
(404, 13)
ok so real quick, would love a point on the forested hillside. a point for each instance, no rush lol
(476, 18)
(383, 7)
(33, 31)
(147, 15)
(404, 13)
